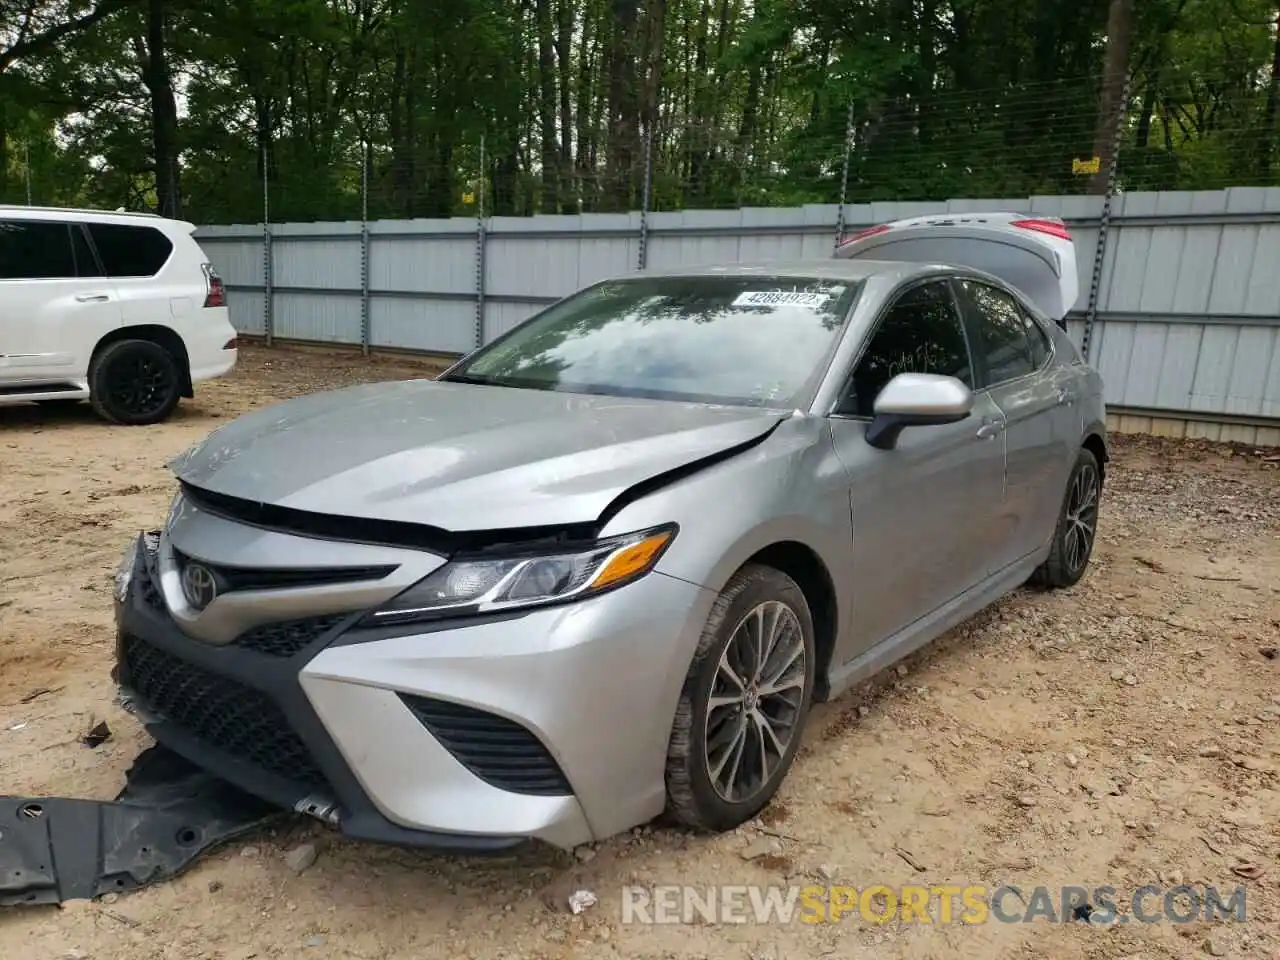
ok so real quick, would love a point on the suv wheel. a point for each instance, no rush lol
(134, 382)
(744, 704)
(1077, 527)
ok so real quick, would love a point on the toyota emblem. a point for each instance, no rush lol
(199, 585)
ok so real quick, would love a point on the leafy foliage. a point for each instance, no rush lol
(546, 106)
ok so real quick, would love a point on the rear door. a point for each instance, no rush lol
(54, 302)
(1035, 255)
(135, 257)
(1014, 361)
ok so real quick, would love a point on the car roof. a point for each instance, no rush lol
(824, 269)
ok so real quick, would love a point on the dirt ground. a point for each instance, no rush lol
(1123, 733)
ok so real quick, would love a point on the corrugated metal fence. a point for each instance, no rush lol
(1184, 325)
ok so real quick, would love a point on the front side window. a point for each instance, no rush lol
(921, 333)
(36, 250)
(743, 340)
(1004, 332)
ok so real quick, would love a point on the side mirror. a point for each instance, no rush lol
(917, 400)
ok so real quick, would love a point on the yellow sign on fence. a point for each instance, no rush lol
(1090, 166)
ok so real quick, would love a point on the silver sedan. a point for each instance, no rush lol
(602, 567)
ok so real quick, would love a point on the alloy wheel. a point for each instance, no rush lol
(1082, 518)
(139, 385)
(753, 711)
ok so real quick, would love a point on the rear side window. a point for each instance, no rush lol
(128, 251)
(36, 250)
(1003, 332)
(1040, 346)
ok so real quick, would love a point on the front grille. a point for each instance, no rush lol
(287, 638)
(499, 751)
(275, 578)
(226, 715)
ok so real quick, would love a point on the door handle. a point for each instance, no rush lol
(990, 429)
(92, 298)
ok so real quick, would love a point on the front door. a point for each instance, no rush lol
(1014, 359)
(921, 510)
(54, 303)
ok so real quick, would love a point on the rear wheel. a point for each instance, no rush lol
(134, 382)
(1077, 527)
(744, 704)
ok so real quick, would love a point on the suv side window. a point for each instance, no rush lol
(1003, 332)
(36, 250)
(128, 251)
(1040, 345)
(921, 333)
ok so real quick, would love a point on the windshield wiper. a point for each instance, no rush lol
(470, 378)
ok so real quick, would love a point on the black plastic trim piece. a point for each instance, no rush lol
(498, 750)
(271, 578)
(169, 814)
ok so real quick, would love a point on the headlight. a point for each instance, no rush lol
(124, 571)
(483, 584)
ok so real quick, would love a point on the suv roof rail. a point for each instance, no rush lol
(18, 208)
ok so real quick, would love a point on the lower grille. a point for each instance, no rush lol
(499, 751)
(287, 638)
(228, 716)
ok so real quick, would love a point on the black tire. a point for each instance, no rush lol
(1067, 562)
(692, 797)
(134, 383)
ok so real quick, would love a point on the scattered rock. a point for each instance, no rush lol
(1072, 760)
(1027, 800)
(1130, 680)
(584, 854)
(318, 940)
(1214, 947)
(901, 669)
(1210, 752)
(75, 953)
(249, 852)
(982, 693)
(760, 847)
(302, 857)
(1117, 675)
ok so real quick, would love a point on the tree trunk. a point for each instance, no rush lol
(549, 147)
(164, 112)
(1116, 68)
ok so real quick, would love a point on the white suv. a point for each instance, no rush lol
(121, 309)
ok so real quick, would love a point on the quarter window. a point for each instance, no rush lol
(921, 333)
(36, 250)
(1004, 332)
(129, 251)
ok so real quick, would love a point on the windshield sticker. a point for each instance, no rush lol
(780, 298)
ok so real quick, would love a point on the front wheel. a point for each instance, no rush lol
(744, 703)
(1077, 527)
(134, 382)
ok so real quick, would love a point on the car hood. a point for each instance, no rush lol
(460, 457)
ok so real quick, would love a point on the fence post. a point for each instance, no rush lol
(1104, 221)
(480, 249)
(268, 298)
(844, 175)
(364, 250)
(642, 256)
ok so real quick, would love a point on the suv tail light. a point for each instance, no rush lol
(868, 232)
(216, 293)
(1047, 225)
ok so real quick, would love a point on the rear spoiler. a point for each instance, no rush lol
(1052, 226)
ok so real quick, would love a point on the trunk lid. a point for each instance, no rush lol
(1034, 254)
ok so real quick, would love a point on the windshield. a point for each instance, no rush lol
(753, 340)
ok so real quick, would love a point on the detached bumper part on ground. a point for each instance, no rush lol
(376, 735)
(169, 814)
